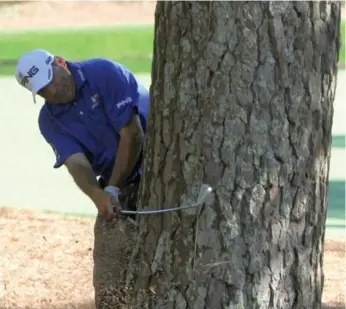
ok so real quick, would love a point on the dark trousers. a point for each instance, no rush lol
(113, 244)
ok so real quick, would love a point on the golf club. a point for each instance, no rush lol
(203, 193)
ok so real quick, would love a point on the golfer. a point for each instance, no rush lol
(94, 117)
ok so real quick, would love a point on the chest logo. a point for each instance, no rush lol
(95, 99)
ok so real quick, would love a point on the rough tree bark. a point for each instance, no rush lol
(242, 99)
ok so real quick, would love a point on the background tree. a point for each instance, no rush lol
(242, 99)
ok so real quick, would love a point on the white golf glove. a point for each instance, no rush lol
(112, 190)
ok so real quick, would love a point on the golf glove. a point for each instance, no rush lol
(112, 190)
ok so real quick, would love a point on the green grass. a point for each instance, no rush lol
(336, 199)
(338, 141)
(132, 46)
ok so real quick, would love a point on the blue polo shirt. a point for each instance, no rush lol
(106, 96)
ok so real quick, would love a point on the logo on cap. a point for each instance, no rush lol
(24, 79)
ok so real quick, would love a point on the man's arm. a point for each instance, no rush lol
(83, 175)
(121, 96)
(129, 150)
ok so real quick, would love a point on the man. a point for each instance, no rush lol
(94, 117)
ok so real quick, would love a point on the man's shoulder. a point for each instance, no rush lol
(102, 71)
(100, 65)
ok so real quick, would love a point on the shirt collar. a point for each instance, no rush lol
(78, 74)
(79, 78)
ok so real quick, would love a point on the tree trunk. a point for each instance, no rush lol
(242, 99)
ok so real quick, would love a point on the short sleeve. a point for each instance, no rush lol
(120, 94)
(62, 144)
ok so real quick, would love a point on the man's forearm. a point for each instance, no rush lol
(127, 157)
(85, 179)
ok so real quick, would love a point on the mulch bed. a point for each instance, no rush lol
(46, 262)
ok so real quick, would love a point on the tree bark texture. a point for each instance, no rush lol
(242, 99)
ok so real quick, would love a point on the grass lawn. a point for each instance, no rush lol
(338, 141)
(131, 46)
(336, 200)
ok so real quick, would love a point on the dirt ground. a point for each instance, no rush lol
(46, 261)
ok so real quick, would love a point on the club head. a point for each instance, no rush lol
(203, 193)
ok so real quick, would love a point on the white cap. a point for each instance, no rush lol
(34, 70)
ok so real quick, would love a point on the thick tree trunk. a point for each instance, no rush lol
(242, 99)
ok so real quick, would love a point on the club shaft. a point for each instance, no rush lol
(156, 211)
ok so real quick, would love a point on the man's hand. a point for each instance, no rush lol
(107, 204)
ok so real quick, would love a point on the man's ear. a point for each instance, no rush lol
(61, 61)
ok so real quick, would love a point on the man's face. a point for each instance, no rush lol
(62, 88)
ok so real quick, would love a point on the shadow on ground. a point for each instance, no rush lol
(9, 3)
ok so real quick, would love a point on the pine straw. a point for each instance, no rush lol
(46, 262)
